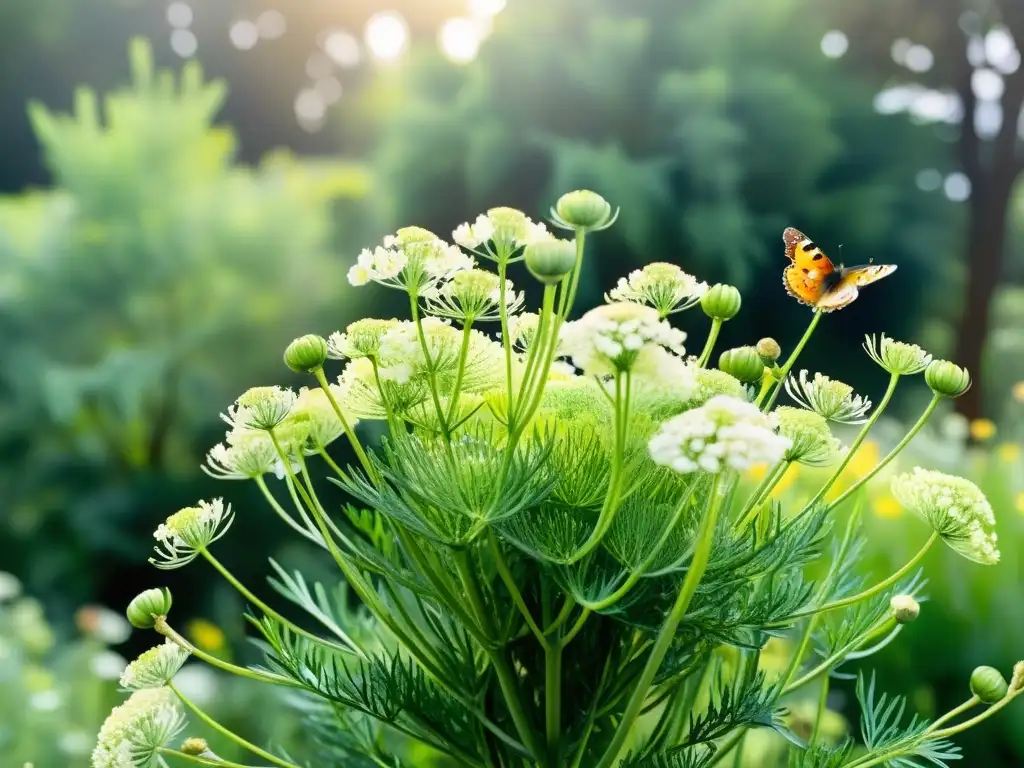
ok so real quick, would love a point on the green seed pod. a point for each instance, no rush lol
(743, 363)
(721, 302)
(550, 260)
(194, 746)
(583, 209)
(769, 350)
(904, 608)
(306, 353)
(946, 378)
(988, 684)
(146, 606)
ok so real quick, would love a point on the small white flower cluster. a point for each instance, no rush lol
(623, 337)
(954, 507)
(724, 433)
(829, 398)
(896, 357)
(663, 286)
(188, 531)
(507, 228)
(413, 259)
(811, 440)
(135, 730)
(155, 667)
(522, 329)
(260, 408)
(472, 295)
(359, 339)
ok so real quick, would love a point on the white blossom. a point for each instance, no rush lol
(413, 259)
(184, 534)
(507, 228)
(260, 408)
(724, 433)
(621, 337)
(359, 339)
(955, 508)
(155, 667)
(829, 398)
(472, 295)
(663, 286)
(135, 730)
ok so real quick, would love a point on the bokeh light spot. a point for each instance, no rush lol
(329, 88)
(486, 7)
(834, 44)
(459, 40)
(343, 47)
(184, 43)
(271, 24)
(957, 187)
(244, 35)
(387, 35)
(919, 59)
(928, 180)
(987, 83)
(179, 15)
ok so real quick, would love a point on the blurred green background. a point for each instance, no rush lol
(184, 184)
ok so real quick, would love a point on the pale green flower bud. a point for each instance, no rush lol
(155, 667)
(583, 209)
(896, 357)
(551, 260)
(306, 354)
(905, 608)
(988, 684)
(811, 440)
(769, 350)
(946, 378)
(194, 746)
(721, 302)
(743, 363)
(146, 606)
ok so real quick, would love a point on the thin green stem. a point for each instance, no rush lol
(694, 574)
(709, 345)
(836, 657)
(822, 705)
(349, 431)
(971, 703)
(553, 702)
(510, 583)
(506, 342)
(727, 746)
(791, 360)
(200, 760)
(766, 486)
(230, 734)
(581, 620)
(588, 727)
(537, 348)
(861, 436)
(871, 591)
(945, 733)
(276, 506)
(460, 372)
(332, 464)
(891, 455)
(805, 640)
(414, 309)
(163, 628)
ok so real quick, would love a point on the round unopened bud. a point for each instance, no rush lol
(946, 378)
(904, 608)
(721, 302)
(742, 363)
(550, 260)
(583, 209)
(146, 606)
(988, 684)
(194, 746)
(306, 353)
(769, 350)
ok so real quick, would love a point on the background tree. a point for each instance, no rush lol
(967, 51)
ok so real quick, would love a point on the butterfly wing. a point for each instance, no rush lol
(848, 287)
(807, 278)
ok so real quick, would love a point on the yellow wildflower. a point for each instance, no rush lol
(205, 634)
(787, 479)
(887, 507)
(1018, 391)
(1009, 452)
(983, 429)
(757, 472)
(864, 460)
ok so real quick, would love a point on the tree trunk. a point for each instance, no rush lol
(989, 206)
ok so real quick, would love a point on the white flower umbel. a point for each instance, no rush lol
(155, 667)
(620, 337)
(522, 329)
(322, 425)
(260, 408)
(413, 259)
(247, 454)
(663, 286)
(811, 440)
(507, 229)
(134, 731)
(474, 294)
(724, 433)
(895, 356)
(829, 398)
(188, 531)
(955, 508)
(360, 339)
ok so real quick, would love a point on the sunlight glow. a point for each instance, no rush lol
(343, 47)
(460, 40)
(834, 44)
(387, 35)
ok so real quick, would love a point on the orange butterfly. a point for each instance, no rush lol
(813, 279)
